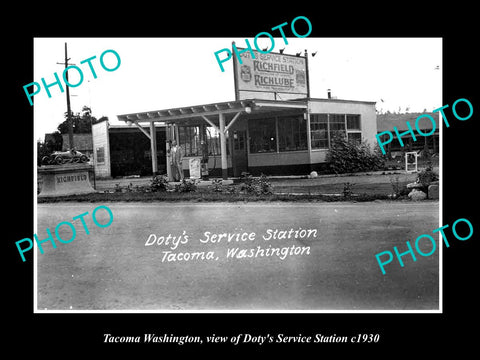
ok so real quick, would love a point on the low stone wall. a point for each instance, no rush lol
(58, 180)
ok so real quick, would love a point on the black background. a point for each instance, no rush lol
(60, 335)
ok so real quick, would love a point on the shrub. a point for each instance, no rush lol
(186, 185)
(159, 183)
(257, 186)
(347, 190)
(231, 189)
(426, 176)
(264, 184)
(347, 157)
(216, 186)
(130, 188)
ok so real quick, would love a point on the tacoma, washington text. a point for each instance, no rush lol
(172, 244)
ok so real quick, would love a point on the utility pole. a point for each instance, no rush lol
(307, 75)
(69, 111)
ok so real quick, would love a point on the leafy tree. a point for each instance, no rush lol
(82, 122)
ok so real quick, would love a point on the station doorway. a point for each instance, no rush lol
(238, 139)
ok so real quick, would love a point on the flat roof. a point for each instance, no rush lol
(343, 101)
(126, 127)
(250, 106)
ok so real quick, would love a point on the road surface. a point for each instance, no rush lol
(164, 256)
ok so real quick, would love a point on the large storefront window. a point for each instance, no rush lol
(325, 127)
(292, 133)
(337, 126)
(355, 138)
(213, 141)
(189, 140)
(354, 131)
(262, 135)
(353, 122)
(319, 131)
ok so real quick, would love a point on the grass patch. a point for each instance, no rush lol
(205, 197)
(248, 190)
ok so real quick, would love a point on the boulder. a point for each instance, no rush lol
(433, 191)
(417, 195)
(414, 185)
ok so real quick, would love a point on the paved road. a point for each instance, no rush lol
(333, 268)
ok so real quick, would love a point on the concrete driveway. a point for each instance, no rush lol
(112, 268)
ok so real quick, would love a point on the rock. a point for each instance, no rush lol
(416, 195)
(414, 185)
(433, 191)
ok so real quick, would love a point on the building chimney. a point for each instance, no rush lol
(329, 93)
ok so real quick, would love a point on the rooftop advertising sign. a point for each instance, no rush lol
(271, 73)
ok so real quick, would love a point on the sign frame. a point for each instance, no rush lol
(283, 64)
(195, 167)
(411, 164)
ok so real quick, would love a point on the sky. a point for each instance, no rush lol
(162, 73)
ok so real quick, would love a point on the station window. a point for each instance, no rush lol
(189, 140)
(325, 127)
(213, 138)
(355, 137)
(354, 131)
(239, 140)
(319, 131)
(337, 125)
(353, 122)
(292, 133)
(213, 141)
(100, 155)
(262, 135)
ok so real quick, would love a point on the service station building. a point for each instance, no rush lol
(260, 136)
(272, 127)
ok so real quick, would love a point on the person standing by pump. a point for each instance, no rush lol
(176, 158)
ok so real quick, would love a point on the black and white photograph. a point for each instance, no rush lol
(233, 178)
(220, 180)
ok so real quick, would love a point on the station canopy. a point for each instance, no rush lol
(221, 116)
(190, 115)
